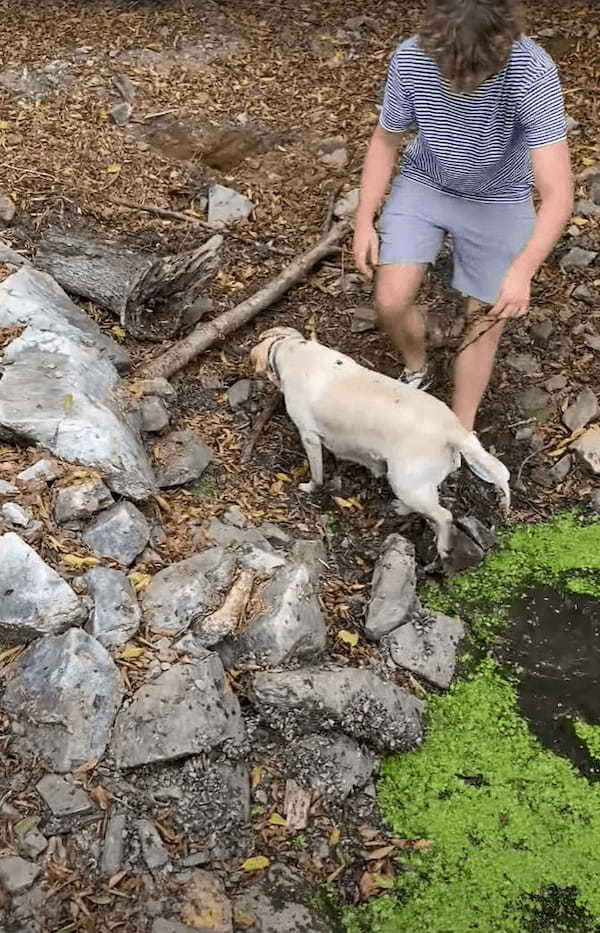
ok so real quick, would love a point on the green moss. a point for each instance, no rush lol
(506, 817)
(590, 736)
(565, 553)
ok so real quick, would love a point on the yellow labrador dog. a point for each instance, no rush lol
(360, 415)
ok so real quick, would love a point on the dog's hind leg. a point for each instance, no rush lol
(314, 452)
(425, 501)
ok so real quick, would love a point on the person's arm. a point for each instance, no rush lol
(554, 182)
(379, 164)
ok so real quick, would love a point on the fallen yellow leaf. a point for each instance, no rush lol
(256, 776)
(113, 169)
(4, 125)
(118, 332)
(257, 863)
(276, 820)
(68, 403)
(131, 652)
(349, 638)
(72, 560)
(283, 477)
(8, 652)
(335, 836)
(140, 581)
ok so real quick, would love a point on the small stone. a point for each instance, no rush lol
(17, 515)
(120, 533)
(346, 204)
(225, 205)
(240, 393)
(587, 208)
(34, 599)
(560, 470)
(484, 537)
(154, 853)
(594, 502)
(121, 113)
(8, 209)
(464, 552)
(333, 152)
(535, 403)
(34, 843)
(205, 905)
(280, 908)
(593, 341)
(188, 710)
(81, 501)
(157, 386)
(47, 470)
(186, 591)
(197, 310)
(63, 798)
(524, 363)
(541, 334)
(587, 448)
(582, 411)
(393, 589)
(578, 258)
(364, 318)
(116, 615)
(154, 414)
(555, 383)
(63, 694)
(112, 850)
(427, 647)
(583, 293)
(185, 457)
(7, 489)
(571, 124)
(525, 433)
(234, 516)
(16, 874)
(334, 764)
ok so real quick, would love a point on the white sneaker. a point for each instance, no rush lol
(416, 378)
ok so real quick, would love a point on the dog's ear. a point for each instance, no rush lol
(259, 357)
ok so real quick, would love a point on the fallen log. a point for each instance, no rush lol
(207, 334)
(129, 283)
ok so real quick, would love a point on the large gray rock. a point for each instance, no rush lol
(226, 205)
(291, 629)
(188, 710)
(34, 600)
(182, 457)
(120, 533)
(334, 764)
(394, 587)
(62, 395)
(583, 410)
(64, 693)
(356, 701)
(81, 500)
(427, 646)
(578, 258)
(32, 297)
(185, 591)
(116, 615)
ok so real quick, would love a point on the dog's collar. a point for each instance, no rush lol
(271, 359)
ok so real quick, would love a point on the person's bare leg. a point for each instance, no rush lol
(396, 288)
(473, 366)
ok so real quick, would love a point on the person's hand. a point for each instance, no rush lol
(513, 300)
(366, 248)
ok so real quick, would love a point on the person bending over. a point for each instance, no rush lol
(487, 106)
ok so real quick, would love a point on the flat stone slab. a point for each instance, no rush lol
(394, 587)
(188, 710)
(185, 591)
(120, 533)
(583, 410)
(16, 874)
(279, 909)
(116, 614)
(34, 599)
(587, 448)
(427, 646)
(354, 700)
(63, 694)
(81, 500)
(63, 798)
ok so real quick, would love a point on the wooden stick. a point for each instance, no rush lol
(269, 408)
(205, 335)
(169, 214)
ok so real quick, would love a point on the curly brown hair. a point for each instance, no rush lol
(470, 39)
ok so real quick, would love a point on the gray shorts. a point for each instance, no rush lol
(486, 236)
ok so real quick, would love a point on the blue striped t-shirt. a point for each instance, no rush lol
(474, 145)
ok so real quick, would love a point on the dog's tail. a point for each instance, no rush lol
(485, 465)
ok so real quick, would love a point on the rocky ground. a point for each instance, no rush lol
(178, 768)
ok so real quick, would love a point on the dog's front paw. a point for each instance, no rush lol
(308, 487)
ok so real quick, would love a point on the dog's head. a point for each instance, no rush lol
(260, 355)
